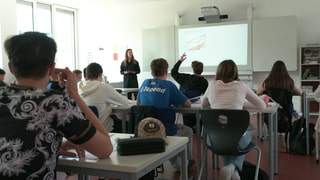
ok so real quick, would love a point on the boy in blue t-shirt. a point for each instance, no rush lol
(160, 92)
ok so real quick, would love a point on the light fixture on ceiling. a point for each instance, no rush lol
(211, 14)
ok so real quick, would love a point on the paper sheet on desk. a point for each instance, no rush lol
(132, 102)
(88, 155)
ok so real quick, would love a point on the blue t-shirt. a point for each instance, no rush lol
(161, 93)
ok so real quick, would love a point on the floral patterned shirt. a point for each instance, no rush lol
(32, 125)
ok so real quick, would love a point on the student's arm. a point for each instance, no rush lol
(176, 75)
(175, 69)
(187, 103)
(317, 94)
(260, 90)
(113, 97)
(67, 145)
(297, 91)
(253, 100)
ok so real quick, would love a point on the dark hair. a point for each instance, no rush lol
(85, 73)
(159, 67)
(197, 67)
(227, 71)
(2, 71)
(30, 54)
(279, 77)
(94, 70)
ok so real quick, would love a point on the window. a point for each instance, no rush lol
(65, 37)
(56, 21)
(24, 16)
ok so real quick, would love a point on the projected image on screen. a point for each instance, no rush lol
(212, 44)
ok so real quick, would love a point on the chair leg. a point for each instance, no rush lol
(215, 161)
(159, 169)
(203, 163)
(258, 163)
(317, 146)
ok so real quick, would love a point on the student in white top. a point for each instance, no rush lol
(228, 92)
(97, 93)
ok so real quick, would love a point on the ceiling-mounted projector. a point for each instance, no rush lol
(211, 14)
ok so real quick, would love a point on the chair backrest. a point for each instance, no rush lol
(224, 128)
(137, 114)
(167, 116)
(94, 109)
(284, 98)
(192, 94)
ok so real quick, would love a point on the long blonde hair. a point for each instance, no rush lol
(126, 58)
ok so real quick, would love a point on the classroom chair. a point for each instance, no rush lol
(285, 112)
(94, 109)
(223, 129)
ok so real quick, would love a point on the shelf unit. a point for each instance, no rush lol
(310, 69)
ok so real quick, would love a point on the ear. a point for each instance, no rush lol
(10, 67)
(100, 77)
(51, 69)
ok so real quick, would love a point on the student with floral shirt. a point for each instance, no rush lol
(34, 119)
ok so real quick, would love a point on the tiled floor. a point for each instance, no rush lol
(290, 166)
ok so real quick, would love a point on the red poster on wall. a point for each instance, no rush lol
(115, 56)
(115, 53)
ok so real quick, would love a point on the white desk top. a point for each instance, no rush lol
(131, 164)
(128, 89)
(196, 107)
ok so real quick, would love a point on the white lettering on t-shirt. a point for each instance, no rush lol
(148, 89)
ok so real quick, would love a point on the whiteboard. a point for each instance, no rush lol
(158, 43)
(274, 39)
(215, 42)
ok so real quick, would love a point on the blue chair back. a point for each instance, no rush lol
(192, 95)
(167, 116)
(94, 110)
(137, 114)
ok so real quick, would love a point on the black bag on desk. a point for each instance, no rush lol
(140, 145)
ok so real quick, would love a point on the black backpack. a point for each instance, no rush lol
(297, 137)
(249, 170)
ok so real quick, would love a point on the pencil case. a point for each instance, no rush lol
(140, 145)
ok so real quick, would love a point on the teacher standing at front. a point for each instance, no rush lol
(129, 69)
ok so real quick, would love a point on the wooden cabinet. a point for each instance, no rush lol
(310, 68)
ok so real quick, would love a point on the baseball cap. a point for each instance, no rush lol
(151, 127)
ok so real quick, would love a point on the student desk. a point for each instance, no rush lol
(306, 99)
(125, 167)
(124, 111)
(273, 141)
(125, 91)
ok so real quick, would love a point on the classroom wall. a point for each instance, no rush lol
(126, 19)
(109, 23)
